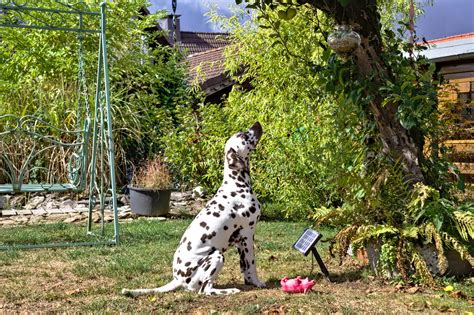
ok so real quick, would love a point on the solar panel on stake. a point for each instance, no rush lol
(306, 243)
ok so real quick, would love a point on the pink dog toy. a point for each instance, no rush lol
(296, 285)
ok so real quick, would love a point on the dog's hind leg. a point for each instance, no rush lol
(208, 272)
(173, 285)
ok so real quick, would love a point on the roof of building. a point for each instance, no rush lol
(207, 69)
(196, 42)
(451, 48)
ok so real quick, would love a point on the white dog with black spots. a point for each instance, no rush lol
(229, 218)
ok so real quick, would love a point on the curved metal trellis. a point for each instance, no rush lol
(25, 140)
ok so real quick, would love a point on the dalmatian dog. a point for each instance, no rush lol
(229, 218)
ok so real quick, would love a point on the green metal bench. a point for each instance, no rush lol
(26, 141)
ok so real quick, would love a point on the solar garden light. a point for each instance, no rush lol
(306, 243)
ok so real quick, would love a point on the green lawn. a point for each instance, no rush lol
(89, 279)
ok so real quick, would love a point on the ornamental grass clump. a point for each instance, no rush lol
(153, 174)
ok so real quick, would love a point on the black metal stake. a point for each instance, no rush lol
(321, 264)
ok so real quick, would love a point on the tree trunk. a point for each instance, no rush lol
(364, 18)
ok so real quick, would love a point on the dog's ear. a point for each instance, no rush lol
(234, 160)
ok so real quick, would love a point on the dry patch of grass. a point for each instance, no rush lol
(90, 279)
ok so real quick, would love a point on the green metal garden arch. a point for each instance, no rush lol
(90, 149)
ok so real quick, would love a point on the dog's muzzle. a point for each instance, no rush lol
(257, 130)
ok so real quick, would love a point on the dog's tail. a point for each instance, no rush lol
(173, 285)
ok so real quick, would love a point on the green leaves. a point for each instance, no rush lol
(344, 3)
(287, 14)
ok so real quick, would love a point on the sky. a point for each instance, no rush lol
(444, 18)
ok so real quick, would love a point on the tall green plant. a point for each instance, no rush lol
(38, 75)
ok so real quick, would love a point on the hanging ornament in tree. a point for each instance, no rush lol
(343, 41)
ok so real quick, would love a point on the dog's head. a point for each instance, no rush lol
(238, 147)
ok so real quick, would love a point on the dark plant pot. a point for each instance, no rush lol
(149, 202)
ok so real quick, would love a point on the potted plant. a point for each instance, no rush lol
(408, 232)
(150, 189)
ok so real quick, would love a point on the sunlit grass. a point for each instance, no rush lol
(89, 279)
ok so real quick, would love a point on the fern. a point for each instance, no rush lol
(465, 224)
(432, 234)
(343, 241)
(367, 232)
(457, 246)
(421, 268)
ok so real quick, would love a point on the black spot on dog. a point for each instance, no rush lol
(224, 196)
(213, 202)
(221, 207)
(234, 237)
(203, 224)
(179, 261)
(252, 209)
(234, 172)
(216, 214)
(225, 228)
(208, 212)
(188, 280)
(233, 215)
(213, 271)
(189, 246)
(233, 194)
(187, 264)
(251, 223)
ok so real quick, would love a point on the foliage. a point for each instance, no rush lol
(304, 147)
(402, 222)
(152, 174)
(320, 153)
(147, 84)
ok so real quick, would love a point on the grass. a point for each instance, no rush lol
(89, 279)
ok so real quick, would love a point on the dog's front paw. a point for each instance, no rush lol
(259, 284)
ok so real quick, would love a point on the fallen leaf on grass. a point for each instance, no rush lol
(72, 292)
(413, 290)
(275, 309)
(414, 306)
(399, 286)
(448, 288)
(445, 308)
(458, 295)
